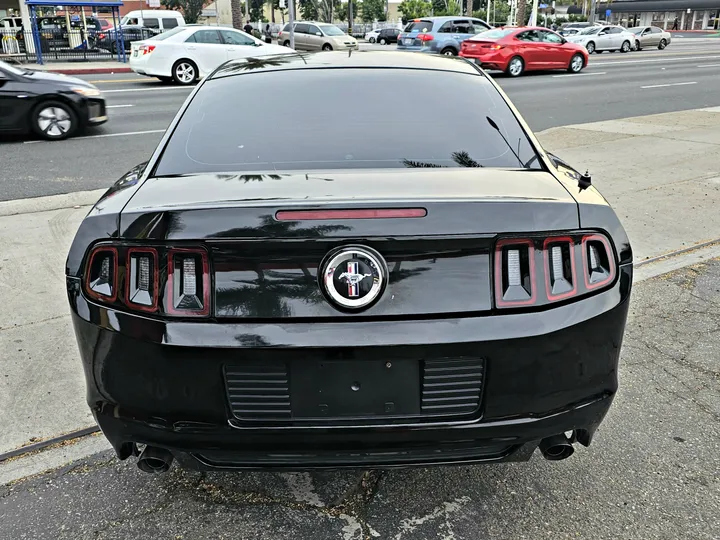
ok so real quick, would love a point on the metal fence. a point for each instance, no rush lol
(76, 45)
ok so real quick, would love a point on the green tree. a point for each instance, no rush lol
(190, 9)
(308, 10)
(372, 9)
(412, 9)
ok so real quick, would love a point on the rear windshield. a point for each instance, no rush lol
(439, 119)
(419, 26)
(494, 34)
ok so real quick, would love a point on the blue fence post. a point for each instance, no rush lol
(119, 32)
(36, 35)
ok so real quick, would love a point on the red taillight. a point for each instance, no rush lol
(102, 36)
(370, 213)
(598, 262)
(152, 279)
(425, 37)
(146, 49)
(142, 279)
(521, 263)
(495, 47)
(188, 283)
(101, 274)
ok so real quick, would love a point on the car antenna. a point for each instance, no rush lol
(585, 180)
(495, 126)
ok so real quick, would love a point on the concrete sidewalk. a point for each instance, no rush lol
(661, 173)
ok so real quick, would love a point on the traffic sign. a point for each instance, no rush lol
(608, 12)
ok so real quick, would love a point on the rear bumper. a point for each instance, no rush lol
(162, 384)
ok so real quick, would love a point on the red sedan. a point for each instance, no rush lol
(516, 50)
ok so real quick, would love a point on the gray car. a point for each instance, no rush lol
(317, 36)
(650, 36)
(441, 35)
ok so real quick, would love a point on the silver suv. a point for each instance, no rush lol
(317, 36)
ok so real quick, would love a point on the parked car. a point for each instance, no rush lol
(370, 36)
(108, 40)
(567, 29)
(50, 105)
(441, 35)
(516, 50)
(316, 36)
(187, 53)
(158, 19)
(352, 302)
(388, 36)
(650, 36)
(604, 38)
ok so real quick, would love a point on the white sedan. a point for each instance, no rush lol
(604, 38)
(187, 53)
(372, 35)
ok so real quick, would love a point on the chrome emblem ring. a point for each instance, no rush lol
(353, 277)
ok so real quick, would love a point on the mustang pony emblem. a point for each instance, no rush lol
(353, 277)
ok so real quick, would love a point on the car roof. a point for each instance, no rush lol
(345, 60)
(443, 18)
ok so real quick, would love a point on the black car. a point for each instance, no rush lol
(349, 302)
(109, 40)
(388, 36)
(51, 105)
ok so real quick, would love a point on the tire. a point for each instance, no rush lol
(54, 120)
(371, 40)
(448, 51)
(327, 47)
(637, 45)
(286, 43)
(590, 47)
(662, 44)
(184, 72)
(515, 67)
(625, 47)
(166, 80)
(383, 41)
(577, 63)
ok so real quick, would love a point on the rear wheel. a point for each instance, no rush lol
(662, 44)
(371, 40)
(184, 72)
(625, 48)
(577, 62)
(327, 47)
(515, 66)
(383, 41)
(448, 51)
(637, 45)
(286, 43)
(590, 47)
(54, 121)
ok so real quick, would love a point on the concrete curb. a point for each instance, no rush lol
(89, 71)
(52, 202)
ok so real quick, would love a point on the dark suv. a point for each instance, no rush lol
(388, 35)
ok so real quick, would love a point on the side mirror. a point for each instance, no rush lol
(318, 33)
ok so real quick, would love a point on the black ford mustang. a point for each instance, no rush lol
(272, 290)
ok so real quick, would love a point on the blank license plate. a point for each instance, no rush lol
(409, 41)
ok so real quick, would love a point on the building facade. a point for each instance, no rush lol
(690, 14)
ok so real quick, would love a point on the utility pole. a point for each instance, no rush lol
(291, 20)
(469, 8)
(350, 17)
(591, 15)
(533, 14)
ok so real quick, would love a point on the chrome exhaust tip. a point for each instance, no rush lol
(556, 448)
(155, 460)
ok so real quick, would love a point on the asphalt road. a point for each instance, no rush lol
(613, 86)
(652, 471)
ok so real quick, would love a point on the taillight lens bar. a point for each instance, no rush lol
(523, 264)
(159, 280)
(188, 283)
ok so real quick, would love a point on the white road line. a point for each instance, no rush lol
(580, 74)
(117, 106)
(666, 59)
(708, 65)
(106, 135)
(671, 84)
(164, 89)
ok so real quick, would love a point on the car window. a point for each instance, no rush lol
(530, 35)
(151, 23)
(312, 29)
(479, 26)
(590, 30)
(169, 23)
(462, 27)
(331, 30)
(207, 137)
(235, 38)
(616, 30)
(495, 33)
(446, 28)
(286, 28)
(301, 28)
(656, 30)
(549, 37)
(208, 36)
(419, 26)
